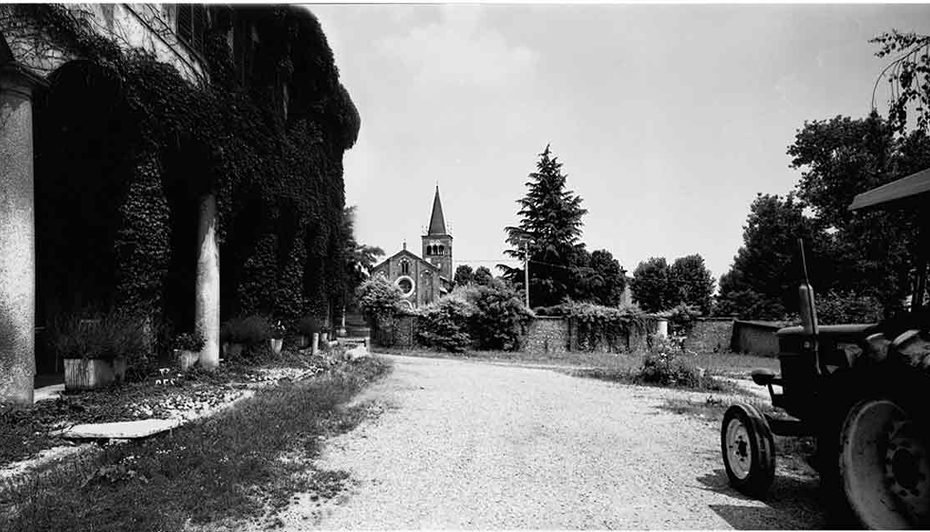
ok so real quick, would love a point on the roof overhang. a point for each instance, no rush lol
(897, 193)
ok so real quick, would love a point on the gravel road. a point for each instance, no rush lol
(464, 444)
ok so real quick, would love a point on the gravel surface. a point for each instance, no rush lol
(474, 445)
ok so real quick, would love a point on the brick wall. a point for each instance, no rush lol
(710, 335)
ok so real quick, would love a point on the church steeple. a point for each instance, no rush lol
(437, 242)
(437, 222)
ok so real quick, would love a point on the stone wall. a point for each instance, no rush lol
(755, 337)
(546, 335)
(403, 335)
(710, 335)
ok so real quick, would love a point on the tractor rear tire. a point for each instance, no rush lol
(884, 468)
(748, 450)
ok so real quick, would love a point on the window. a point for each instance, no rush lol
(405, 268)
(441, 251)
(192, 22)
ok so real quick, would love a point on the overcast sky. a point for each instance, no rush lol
(668, 119)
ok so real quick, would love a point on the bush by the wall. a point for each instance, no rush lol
(444, 324)
(498, 316)
(681, 318)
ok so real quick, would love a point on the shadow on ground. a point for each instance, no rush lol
(792, 503)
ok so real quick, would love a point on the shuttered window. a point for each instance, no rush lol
(192, 24)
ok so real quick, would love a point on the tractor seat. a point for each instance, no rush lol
(765, 377)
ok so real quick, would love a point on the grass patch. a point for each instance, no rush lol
(712, 408)
(246, 462)
(25, 431)
(703, 382)
(723, 364)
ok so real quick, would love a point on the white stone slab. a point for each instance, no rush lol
(48, 392)
(122, 430)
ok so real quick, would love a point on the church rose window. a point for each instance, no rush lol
(406, 285)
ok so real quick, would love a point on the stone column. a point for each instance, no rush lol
(207, 289)
(17, 237)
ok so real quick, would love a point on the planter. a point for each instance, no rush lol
(186, 359)
(276, 345)
(232, 350)
(93, 373)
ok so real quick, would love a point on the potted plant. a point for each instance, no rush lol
(277, 332)
(96, 351)
(307, 327)
(187, 347)
(238, 334)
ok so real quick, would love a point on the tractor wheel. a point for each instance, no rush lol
(884, 470)
(748, 450)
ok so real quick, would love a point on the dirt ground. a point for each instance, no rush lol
(464, 444)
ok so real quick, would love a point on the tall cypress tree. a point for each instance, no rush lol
(550, 224)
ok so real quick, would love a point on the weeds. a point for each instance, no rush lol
(227, 466)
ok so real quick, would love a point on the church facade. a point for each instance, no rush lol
(422, 280)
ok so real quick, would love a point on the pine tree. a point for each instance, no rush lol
(550, 226)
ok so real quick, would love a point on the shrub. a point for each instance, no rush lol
(113, 335)
(555, 310)
(681, 318)
(444, 324)
(498, 316)
(308, 325)
(188, 342)
(379, 301)
(668, 363)
(247, 330)
(595, 324)
(846, 307)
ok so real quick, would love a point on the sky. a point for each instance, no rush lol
(668, 119)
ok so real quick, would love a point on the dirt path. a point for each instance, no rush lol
(472, 445)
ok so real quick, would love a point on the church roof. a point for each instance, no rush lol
(404, 253)
(437, 222)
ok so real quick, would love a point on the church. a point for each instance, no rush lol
(423, 280)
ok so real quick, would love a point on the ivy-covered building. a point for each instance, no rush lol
(423, 280)
(145, 148)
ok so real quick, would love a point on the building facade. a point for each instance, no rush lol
(422, 280)
(69, 150)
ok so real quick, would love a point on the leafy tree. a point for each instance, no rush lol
(550, 225)
(651, 288)
(358, 259)
(483, 276)
(379, 301)
(909, 75)
(464, 275)
(871, 251)
(599, 278)
(762, 283)
(499, 313)
(693, 282)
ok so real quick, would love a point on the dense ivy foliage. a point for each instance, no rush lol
(596, 325)
(267, 143)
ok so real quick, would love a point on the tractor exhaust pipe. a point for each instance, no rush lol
(808, 307)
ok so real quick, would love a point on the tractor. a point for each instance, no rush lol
(861, 391)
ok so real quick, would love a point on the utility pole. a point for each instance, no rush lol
(526, 270)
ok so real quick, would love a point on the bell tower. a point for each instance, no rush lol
(437, 242)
